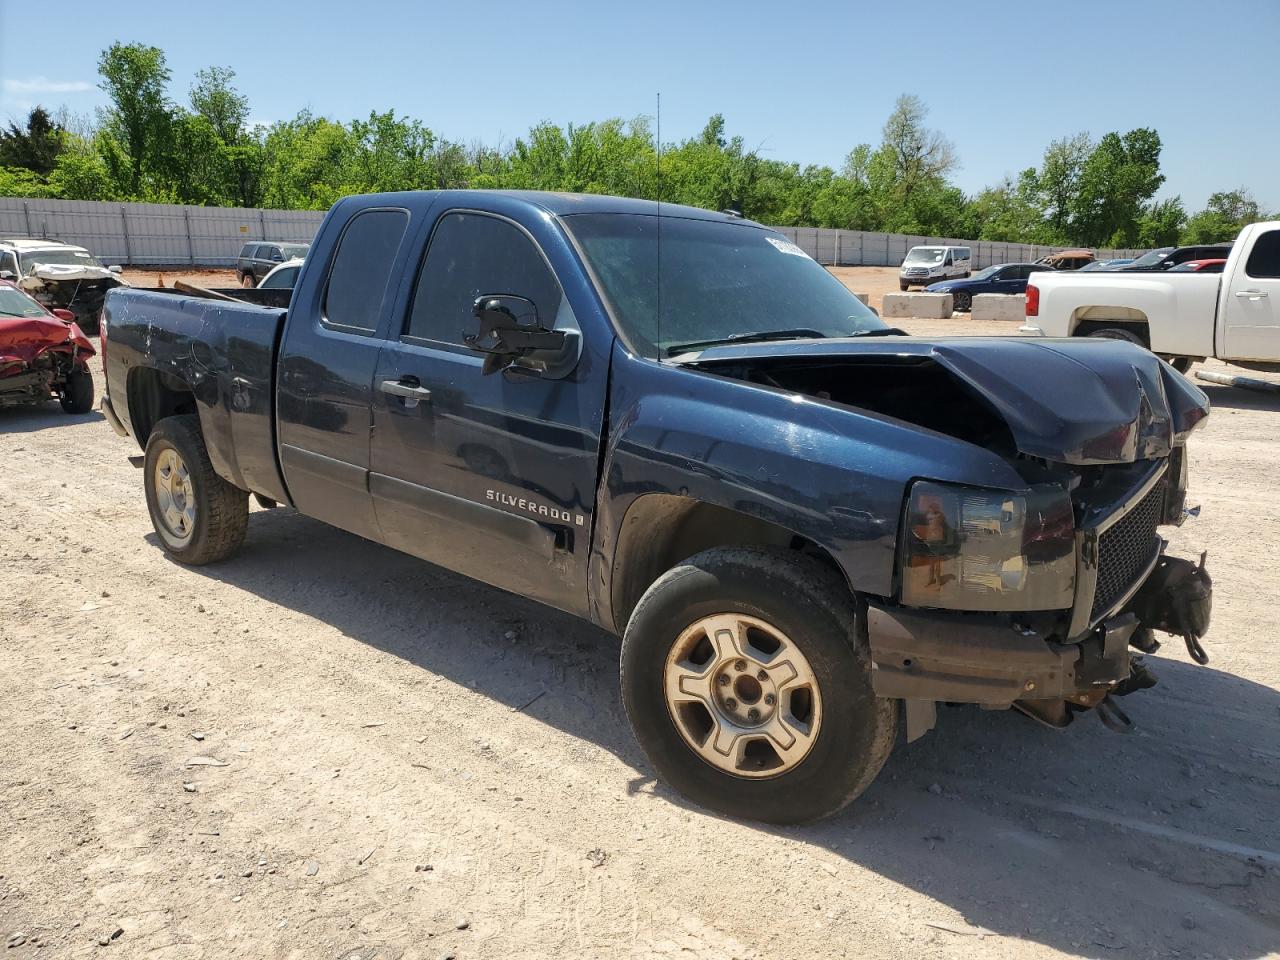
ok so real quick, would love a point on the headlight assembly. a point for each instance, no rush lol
(966, 548)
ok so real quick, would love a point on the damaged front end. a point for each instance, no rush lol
(1041, 599)
(80, 289)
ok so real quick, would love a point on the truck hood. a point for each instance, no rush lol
(1079, 401)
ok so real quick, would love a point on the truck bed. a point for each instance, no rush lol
(224, 349)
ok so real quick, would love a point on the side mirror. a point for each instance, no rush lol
(64, 315)
(116, 268)
(8, 275)
(510, 330)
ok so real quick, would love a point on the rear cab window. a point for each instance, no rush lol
(361, 270)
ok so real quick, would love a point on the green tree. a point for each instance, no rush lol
(1162, 223)
(1118, 179)
(1058, 181)
(134, 78)
(35, 146)
(81, 175)
(214, 98)
(917, 156)
(1223, 217)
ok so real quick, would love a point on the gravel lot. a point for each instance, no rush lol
(323, 748)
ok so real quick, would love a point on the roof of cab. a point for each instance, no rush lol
(564, 204)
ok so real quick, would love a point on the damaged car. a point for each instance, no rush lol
(43, 354)
(807, 527)
(61, 276)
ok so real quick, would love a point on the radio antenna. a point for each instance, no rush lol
(657, 226)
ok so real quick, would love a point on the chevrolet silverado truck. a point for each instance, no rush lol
(805, 526)
(1233, 316)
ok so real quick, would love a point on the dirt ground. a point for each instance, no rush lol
(325, 749)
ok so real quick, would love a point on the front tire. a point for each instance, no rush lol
(748, 685)
(76, 395)
(198, 516)
(904, 287)
(246, 281)
(1181, 364)
(962, 301)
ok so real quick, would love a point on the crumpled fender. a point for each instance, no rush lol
(23, 339)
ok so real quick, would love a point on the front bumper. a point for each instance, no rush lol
(925, 656)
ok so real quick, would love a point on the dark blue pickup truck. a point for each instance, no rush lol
(804, 524)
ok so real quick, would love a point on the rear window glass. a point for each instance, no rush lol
(1264, 258)
(362, 268)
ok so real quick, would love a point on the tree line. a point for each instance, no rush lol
(145, 146)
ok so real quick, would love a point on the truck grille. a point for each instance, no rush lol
(1126, 548)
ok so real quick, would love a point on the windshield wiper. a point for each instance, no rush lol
(759, 336)
(881, 332)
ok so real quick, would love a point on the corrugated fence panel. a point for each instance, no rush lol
(156, 233)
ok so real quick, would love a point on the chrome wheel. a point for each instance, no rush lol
(174, 498)
(742, 695)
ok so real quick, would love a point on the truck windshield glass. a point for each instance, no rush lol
(15, 303)
(717, 281)
(78, 258)
(925, 255)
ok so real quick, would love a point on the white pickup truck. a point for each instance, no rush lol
(1183, 317)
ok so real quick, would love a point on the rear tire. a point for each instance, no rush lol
(736, 631)
(962, 301)
(198, 516)
(76, 395)
(1117, 333)
(1181, 364)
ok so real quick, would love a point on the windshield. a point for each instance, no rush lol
(15, 303)
(716, 281)
(79, 258)
(988, 273)
(293, 251)
(1152, 258)
(925, 255)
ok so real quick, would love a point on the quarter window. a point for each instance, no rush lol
(473, 255)
(1264, 258)
(361, 268)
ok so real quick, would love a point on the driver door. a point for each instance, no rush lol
(490, 475)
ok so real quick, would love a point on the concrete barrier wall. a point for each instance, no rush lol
(923, 306)
(157, 233)
(999, 306)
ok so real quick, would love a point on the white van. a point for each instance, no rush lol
(926, 265)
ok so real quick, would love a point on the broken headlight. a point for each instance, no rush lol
(967, 548)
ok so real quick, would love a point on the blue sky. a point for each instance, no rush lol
(799, 81)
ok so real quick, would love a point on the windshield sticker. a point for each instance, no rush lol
(786, 246)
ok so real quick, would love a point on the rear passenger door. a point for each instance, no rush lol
(493, 476)
(325, 373)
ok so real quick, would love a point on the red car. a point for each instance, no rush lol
(1199, 266)
(43, 354)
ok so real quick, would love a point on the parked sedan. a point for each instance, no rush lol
(1211, 265)
(999, 278)
(1113, 264)
(43, 354)
(283, 276)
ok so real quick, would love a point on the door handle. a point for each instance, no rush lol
(407, 388)
(1251, 294)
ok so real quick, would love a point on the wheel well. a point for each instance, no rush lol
(660, 530)
(1088, 319)
(152, 396)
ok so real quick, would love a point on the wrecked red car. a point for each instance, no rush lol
(43, 354)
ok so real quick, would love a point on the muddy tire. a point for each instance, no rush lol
(198, 516)
(76, 395)
(748, 686)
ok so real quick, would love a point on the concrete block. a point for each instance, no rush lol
(931, 306)
(999, 306)
(896, 305)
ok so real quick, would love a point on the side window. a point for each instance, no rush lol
(285, 277)
(246, 252)
(1264, 258)
(362, 268)
(472, 255)
(948, 260)
(8, 262)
